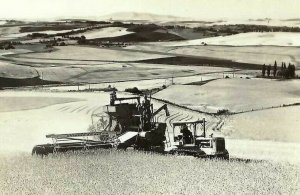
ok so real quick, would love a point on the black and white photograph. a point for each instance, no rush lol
(146, 97)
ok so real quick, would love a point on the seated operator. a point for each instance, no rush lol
(187, 134)
(113, 97)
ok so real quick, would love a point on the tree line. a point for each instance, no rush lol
(244, 28)
(284, 71)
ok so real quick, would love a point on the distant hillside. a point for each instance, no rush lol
(132, 16)
(143, 33)
(12, 82)
(143, 37)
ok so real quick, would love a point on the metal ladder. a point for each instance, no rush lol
(168, 139)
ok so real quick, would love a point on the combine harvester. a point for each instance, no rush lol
(134, 125)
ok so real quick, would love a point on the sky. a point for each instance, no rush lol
(197, 9)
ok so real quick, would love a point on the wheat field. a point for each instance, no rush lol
(119, 172)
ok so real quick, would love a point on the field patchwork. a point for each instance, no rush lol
(106, 32)
(235, 95)
(246, 39)
(92, 54)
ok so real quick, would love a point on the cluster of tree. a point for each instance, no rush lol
(50, 45)
(37, 35)
(73, 32)
(8, 45)
(134, 90)
(75, 37)
(81, 40)
(109, 43)
(54, 42)
(223, 112)
(176, 27)
(265, 28)
(51, 40)
(244, 28)
(91, 22)
(284, 71)
(59, 41)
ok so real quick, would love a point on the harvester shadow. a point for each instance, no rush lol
(245, 160)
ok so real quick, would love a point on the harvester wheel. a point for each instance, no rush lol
(39, 151)
(42, 150)
(175, 153)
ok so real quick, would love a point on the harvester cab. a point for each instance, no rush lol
(135, 123)
(136, 116)
(188, 140)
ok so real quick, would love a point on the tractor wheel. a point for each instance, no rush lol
(223, 157)
(226, 157)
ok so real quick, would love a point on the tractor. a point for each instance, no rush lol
(187, 141)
